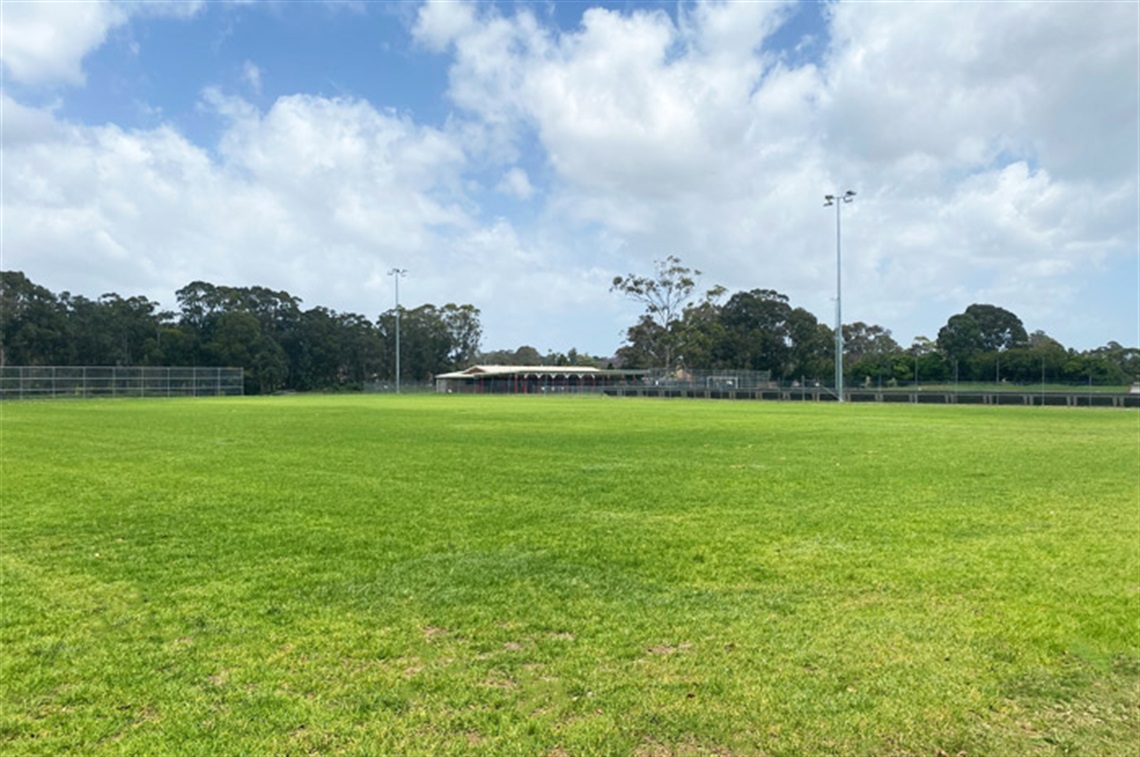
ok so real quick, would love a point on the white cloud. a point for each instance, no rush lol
(967, 130)
(439, 23)
(516, 183)
(731, 31)
(993, 147)
(23, 124)
(251, 75)
(963, 82)
(313, 196)
(44, 43)
(611, 113)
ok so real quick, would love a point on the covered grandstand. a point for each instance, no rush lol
(534, 379)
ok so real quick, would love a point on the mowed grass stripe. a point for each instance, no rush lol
(449, 575)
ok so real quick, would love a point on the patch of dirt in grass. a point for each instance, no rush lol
(314, 741)
(499, 682)
(895, 748)
(431, 633)
(139, 718)
(668, 649)
(650, 747)
(513, 646)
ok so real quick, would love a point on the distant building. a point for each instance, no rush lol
(534, 379)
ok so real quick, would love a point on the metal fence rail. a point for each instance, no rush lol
(389, 387)
(816, 392)
(58, 381)
(725, 380)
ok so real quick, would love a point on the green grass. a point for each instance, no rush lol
(573, 576)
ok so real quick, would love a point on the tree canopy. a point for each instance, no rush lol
(664, 295)
(761, 329)
(283, 345)
(280, 344)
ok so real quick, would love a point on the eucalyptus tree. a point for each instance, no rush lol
(664, 295)
(434, 339)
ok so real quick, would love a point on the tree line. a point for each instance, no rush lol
(761, 330)
(280, 344)
(284, 346)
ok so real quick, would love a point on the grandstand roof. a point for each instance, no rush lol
(511, 370)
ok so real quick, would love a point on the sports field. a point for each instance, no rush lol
(567, 576)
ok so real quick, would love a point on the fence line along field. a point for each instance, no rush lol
(576, 576)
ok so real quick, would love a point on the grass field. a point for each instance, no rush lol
(573, 576)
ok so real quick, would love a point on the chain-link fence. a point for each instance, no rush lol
(1076, 395)
(709, 380)
(389, 387)
(43, 382)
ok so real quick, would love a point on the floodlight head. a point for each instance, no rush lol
(848, 196)
(829, 199)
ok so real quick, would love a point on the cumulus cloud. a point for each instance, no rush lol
(23, 124)
(314, 188)
(44, 43)
(967, 129)
(971, 82)
(439, 23)
(993, 147)
(516, 183)
(317, 196)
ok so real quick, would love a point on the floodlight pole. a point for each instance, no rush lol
(396, 273)
(838, 202)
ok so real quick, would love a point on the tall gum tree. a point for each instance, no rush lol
(664, 295)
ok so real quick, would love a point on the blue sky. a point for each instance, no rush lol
(518, 156)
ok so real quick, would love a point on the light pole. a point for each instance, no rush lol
(396, 273)
(838, 202)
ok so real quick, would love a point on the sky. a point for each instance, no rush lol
(518, 156)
